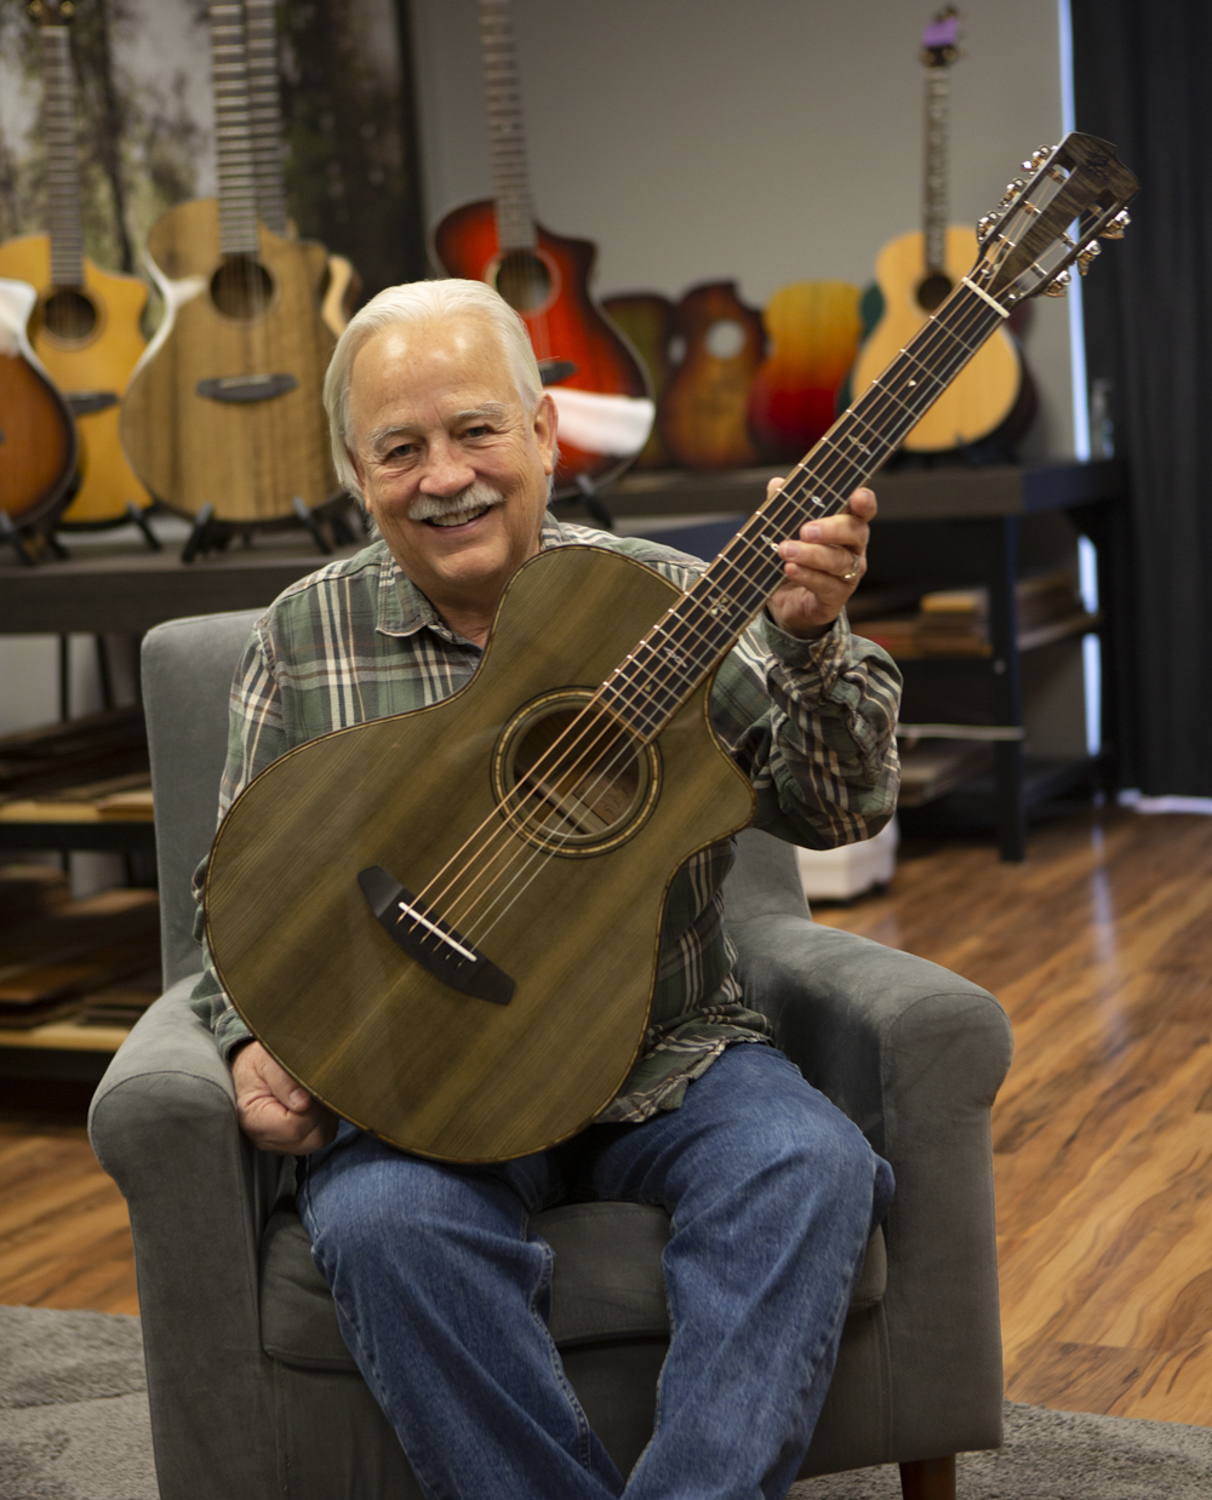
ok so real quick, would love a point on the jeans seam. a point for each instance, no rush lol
(584, 1434)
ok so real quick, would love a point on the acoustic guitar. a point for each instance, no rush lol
(917, 271)
(813, 328)
(649, 322)
(598, 385)
(85, 326)
(38, 441)
(702, 417)
(343, 285)
(446, 923)
(224, 408)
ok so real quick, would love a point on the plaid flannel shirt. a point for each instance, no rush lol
(810, 722)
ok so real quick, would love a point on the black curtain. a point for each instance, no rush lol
(1142, 82)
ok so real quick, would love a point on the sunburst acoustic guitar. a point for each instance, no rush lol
(598, 385)
(224, 409)
(38, 440)
(85, 326)
(917, 271)
(445, 923)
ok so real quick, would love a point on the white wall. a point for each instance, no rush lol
(768, 142)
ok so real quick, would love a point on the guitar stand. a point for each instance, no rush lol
(47, 541)
(138, 518)
(308, 518)
(207, 535)
(594, 503)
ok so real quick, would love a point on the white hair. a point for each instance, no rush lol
(422, 302)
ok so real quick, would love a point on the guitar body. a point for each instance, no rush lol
(38, 444)
(89, 339)
(703, 413)
(246, 326)
(549, 288)
(649, 322)
(985, 395)
(365, 1026)
(813, 327)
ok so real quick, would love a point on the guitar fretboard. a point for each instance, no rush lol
(506, 139)
(62, 161)
(265, 113)
(696, 633)
(935, 196)
(233, 135)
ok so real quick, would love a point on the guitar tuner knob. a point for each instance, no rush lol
(1058, 285)
(985, 226)
(1115, 229)
(1013, 189)
(1087, 257)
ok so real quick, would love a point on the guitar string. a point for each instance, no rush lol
(535, 863)
(959, 334)
(908, 416)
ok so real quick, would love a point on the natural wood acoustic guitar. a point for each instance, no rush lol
(446, 923)
(224, 409)
(917, 271)
(599, 386)
(702, 416)
(343, 285)
(85, 326)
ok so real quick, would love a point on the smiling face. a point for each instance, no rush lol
(453, 466)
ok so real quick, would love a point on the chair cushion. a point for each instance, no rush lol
(607, 1284)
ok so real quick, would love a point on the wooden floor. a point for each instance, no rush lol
(1100, 948)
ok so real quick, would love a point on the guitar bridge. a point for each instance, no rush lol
(433, 943)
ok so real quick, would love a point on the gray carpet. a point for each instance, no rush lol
(73, 1426)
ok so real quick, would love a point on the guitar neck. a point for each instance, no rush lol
(934, 218)
(698, 632)
(62, 161)
(265, 112)
(506, 138)
(233, 132)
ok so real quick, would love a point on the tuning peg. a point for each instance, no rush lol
(1087, 257)
(985, 226)
(1013, 189)
(1058, 285)
(1115, 229)
(1037, 158)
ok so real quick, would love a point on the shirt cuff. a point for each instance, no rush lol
(820, 661)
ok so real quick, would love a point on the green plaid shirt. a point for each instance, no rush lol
(810, 722)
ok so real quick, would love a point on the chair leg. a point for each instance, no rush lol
(929, 1479)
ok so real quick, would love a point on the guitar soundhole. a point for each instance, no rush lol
(241, 288)
(573, 780)
(523, 280)
(934, 291)
(69, 315)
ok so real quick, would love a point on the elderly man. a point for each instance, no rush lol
(439, 421)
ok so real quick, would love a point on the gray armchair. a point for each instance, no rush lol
(252, 1391)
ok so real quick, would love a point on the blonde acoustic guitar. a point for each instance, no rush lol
(917, 271)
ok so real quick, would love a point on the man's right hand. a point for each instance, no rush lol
(276, 1112)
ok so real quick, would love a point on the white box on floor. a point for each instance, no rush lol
(840, 874)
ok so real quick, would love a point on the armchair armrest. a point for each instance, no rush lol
(915, 1056)
(163, 1124)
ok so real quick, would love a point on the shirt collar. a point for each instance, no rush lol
(404, 610)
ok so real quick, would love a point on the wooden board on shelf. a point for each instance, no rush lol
(125, 799)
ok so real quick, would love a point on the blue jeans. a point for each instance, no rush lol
(441, 1290)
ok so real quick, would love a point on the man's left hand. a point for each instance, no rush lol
(822, 567)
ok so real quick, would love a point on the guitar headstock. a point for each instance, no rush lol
(1074, 196)
(941, 38)
(51, 12)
